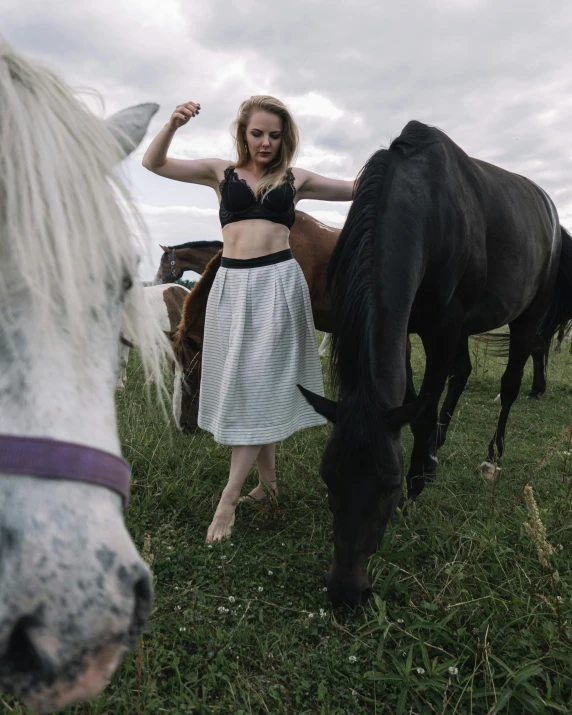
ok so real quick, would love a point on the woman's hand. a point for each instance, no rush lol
(183, 113)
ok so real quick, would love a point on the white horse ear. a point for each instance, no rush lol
(129, 126)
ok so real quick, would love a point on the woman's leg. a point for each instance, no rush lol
(240, 464)
(266, 464)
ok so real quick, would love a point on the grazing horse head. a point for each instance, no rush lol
(362, 463)
(361, 506)
(74, 592)
(188, 348)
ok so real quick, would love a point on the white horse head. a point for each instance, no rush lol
(74, 593)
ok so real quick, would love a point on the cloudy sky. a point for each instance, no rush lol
(493, 74)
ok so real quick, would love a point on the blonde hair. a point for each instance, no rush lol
(275, 174)
(65, 215)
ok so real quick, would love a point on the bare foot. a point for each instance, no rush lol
(222, 523)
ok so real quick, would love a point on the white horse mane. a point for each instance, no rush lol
(65, 214)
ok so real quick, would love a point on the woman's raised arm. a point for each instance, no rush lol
(194, 171)
(314, 186)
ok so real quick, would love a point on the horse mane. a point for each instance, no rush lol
(194, 307)
(198, 244)
(351, 271)
(352, 276)
(417, 136)
(67, 221)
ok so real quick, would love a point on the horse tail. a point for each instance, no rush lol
(558, 317)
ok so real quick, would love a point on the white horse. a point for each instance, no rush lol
(74, 592)
(164, 305)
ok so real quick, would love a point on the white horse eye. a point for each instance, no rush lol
(127, 283)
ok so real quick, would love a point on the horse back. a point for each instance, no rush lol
(483, 233)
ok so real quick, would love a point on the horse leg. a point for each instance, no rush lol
(460, 373)
(122, 371)
(540, 360)
(521, 344)
(324, 344)
(441, 348)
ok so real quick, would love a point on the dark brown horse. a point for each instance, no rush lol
(445, 246)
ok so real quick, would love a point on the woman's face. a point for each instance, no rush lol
(263, 136)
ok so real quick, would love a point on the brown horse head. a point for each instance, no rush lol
(191, 256)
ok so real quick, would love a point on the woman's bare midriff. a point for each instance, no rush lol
(253, 238)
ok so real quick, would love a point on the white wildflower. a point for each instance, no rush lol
(325, 588)
(222, 609)
(420, 671)
(177, 608)
(352, 659)
(322, 613)
(232, 599)
(260, 589)
(209, 546)
(270, 573)
(182, 629)
(453, 670)
(400, 621)
(223, 557)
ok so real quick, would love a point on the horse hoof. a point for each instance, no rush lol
(489, 470)
(497, 399)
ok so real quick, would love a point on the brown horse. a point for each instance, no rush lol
(312, 244)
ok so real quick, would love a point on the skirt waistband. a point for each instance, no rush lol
(269, 260)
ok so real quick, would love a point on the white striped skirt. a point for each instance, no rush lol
(259, 341)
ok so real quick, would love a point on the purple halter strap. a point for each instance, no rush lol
(52, 459)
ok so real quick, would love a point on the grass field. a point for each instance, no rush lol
(465, 619)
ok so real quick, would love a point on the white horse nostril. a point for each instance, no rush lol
(22, 656)
(143, 590)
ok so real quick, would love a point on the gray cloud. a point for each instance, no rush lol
(492, 75)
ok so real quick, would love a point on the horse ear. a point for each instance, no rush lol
(398, 417)
(323, 406)
(165, 248)
(130, 125)
(169, 334)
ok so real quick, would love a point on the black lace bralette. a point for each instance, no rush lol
(239, 203)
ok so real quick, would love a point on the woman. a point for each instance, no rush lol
(259, 334)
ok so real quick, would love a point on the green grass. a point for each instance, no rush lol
(464, 618)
